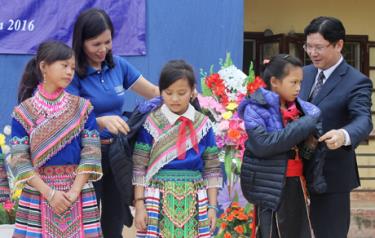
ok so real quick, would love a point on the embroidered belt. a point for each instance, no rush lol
(57, 170)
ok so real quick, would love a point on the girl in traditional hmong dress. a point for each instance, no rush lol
(55, 150)
(176, 169)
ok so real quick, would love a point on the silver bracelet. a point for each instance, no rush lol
(51, 195)
(213, 207)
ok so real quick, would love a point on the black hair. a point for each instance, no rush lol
(278, 67)
(49, 52)
(330, 28)
(90, 24)
(175, 70)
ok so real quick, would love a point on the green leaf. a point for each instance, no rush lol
(228, 61)
(251, 77)
(228, 164)
(211, 69)
(4, 217)
(206, 91)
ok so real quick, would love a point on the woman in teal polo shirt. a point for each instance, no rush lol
(103, 78)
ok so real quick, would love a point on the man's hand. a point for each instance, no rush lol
(334, 139)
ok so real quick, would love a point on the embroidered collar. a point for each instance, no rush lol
(173, 117)
(49, 105)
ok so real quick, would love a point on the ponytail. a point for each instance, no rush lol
(30, 80)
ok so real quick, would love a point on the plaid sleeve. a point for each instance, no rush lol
(20, 162)
(212, 172)
(141, 156)
(90, 162)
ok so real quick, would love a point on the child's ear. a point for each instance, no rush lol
(274, 82)
(42, 66)
(194, 93)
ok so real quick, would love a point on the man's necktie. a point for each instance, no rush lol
(318, 86)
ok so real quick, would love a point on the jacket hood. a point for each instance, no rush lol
(267, 98)
(261, 97)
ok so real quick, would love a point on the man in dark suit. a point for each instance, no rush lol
(344, 96)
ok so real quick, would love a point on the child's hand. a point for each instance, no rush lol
(59, 202)
(212, 219)
(140, 217)
(71, 195)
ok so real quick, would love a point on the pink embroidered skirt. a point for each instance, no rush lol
(35, 218)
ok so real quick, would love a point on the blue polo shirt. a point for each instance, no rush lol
(105, 88)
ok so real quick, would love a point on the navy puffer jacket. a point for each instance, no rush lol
(270, 144)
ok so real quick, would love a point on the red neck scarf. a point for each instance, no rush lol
(181, 139)
(290, 114)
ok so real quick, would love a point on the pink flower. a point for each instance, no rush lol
(8, 205)
(223, 125)
(220, 142)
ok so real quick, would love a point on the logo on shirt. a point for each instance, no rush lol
(119, 90)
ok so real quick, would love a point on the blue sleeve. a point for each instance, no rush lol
(74, 86)
(20, 162)
(130, 73)
(91, 122)
(18, 130)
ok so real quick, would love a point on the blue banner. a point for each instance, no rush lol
(24, 24)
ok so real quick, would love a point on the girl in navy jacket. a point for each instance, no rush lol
(281, 151)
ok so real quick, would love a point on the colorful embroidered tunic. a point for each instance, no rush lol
(175, 188)
(55, 137)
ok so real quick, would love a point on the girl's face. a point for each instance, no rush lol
(57, 75)
(288, 88)
(97, 48)
(177, 96)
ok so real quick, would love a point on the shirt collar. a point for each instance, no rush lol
(173, 117)
(91, 70)
(329, 71)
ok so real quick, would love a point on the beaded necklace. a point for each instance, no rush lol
(50, 105)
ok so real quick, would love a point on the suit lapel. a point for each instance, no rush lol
(331, 83)
(308, 81)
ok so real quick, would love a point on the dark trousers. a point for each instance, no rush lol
(112, 218)
(330, 215)
(291, 220)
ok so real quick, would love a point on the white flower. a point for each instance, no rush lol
(233, 80)
(7, 130)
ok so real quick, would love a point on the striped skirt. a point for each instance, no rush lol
(176, 203)
(35, 218)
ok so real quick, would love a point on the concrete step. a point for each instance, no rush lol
(362, 222)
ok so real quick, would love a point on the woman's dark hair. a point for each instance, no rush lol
(278, 67)
(90, 24)
(330, 28)
(175, 70)
(49, 52)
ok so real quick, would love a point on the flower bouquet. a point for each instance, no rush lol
(8, 204)
(222, 92)
(236, 222)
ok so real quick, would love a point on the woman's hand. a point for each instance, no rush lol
(114, 124)
(141, 216)
(212, 219)
(59, 202)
